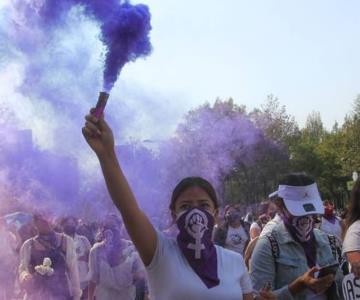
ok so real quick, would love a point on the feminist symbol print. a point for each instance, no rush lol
(196, 224)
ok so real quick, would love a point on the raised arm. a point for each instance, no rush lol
(100, 138)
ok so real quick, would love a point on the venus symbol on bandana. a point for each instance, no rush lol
(303, 226)
(196, 223)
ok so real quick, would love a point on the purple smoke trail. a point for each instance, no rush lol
(125, 28)
(126, 35)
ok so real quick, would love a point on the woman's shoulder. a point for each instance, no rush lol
(352, 238)
(167, 250)
(229, 255)
(165, 239)
(254, 225)
(165, 243)
(354, 226)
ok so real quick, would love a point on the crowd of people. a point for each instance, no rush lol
(67, 258)
(294, 245)
(278, 250)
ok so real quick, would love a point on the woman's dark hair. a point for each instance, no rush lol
(353, 213)
(190, 182)
(296, 179)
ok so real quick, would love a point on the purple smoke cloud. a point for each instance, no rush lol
(126, 35)
(125, 28)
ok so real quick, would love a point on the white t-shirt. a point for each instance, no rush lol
(236, 239)
(113, 282)
(82, 248)
(171, 277)
(352, 238)
(333, 229)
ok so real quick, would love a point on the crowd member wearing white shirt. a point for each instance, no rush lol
(331, 224)
(114, 267)
(48, 265)
(234, 233)
(190, 267)
(82, 249)
(267, 211)
(351, 245)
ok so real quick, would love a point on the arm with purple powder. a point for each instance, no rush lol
(100, 138)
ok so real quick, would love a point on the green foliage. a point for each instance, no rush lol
(224, 144)
(330, 156)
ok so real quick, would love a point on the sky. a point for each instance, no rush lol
(306, 53)
(303, 52)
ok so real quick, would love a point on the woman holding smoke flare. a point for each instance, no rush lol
(190, 267)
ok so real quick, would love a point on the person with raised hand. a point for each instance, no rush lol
(189, 267)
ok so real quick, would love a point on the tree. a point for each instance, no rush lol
(351, 139)
(319, 153)
(222, 143)
(314, 128)
(276, 123)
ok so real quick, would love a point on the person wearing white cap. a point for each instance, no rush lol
(290, 256)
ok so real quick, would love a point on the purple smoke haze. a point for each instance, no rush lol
(49, 62)
(126, 35)
(51, 72)
(125, 28)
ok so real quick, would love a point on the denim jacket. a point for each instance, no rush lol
(290, 263)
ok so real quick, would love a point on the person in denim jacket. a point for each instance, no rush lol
(290, 256)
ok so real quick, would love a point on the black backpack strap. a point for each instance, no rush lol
(275, 250)
(332, 243)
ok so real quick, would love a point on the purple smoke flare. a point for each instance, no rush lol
(126, 35)
(125, 28)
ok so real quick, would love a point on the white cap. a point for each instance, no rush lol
(300, 200)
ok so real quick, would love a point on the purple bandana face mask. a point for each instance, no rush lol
(302, 230)
(303, 226)
(194, 240)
